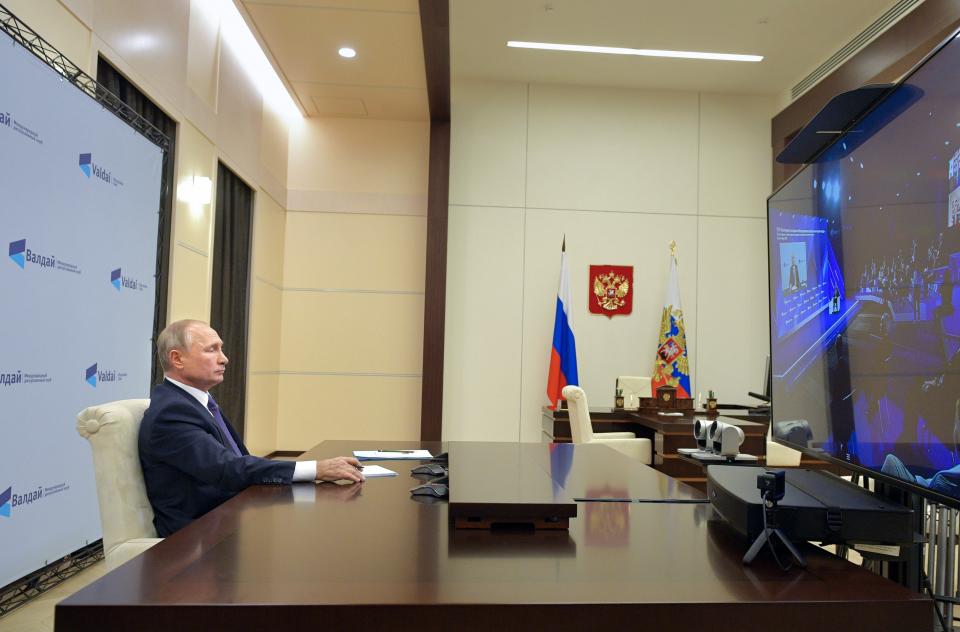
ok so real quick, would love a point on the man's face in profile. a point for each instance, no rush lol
(203, 363)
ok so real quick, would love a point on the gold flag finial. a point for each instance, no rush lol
(673, 248)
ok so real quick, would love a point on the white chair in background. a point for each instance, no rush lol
(633, 388)
(125, 512)
(581, 429)
(780, 455)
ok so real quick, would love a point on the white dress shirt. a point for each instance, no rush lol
(304, 471)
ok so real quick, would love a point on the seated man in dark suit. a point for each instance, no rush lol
(192, 458)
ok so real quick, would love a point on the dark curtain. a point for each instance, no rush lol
(108, 77)
(233, 230)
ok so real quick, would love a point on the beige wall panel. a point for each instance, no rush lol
(354, 202)
(733, 329)
(269, 227)
(354, 333)
(735, 154)
(609, 149)
(151, 37)
(385, 157)
(315, 408)
(488, 149)
(606, 348)
(203, 51)
(239, 117)
(58, 26)
(266, 310)
(189, 291)
(274, 148)
(82, 9)
(197, 157)
(351, 251)
(260, 431)
(484, 324)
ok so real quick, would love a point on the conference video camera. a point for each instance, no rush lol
(724, 439)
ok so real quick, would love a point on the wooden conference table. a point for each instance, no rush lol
(372, 557)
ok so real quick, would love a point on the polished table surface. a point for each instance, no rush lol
(371, 557)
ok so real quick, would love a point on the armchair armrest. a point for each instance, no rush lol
(613, 435)
(640, 449)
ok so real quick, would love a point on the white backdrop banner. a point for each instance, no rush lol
(79, 201)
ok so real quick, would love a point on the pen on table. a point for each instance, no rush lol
(399, 451)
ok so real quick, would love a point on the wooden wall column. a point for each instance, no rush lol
(435, 28)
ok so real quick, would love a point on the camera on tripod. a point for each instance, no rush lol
(772, 485)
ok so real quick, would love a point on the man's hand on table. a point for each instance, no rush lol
(345, 468)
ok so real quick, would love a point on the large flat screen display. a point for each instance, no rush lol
(864, 251)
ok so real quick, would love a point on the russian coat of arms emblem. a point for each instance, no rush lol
(612, 290)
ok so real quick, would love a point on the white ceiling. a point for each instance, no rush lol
(386, 79)
(794, 36)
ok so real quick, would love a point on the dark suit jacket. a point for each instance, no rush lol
(187, 467)
(794, 276)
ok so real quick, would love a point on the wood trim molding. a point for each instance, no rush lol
(435, 30)
(885, 59)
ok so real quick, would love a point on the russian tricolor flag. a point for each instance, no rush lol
(563, 355)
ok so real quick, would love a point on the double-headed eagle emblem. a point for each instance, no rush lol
(610, 290)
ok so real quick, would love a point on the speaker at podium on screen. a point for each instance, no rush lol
(633, 388)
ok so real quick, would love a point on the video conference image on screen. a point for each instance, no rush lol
(864, 251)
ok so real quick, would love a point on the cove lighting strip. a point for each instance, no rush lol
(237, 35)
(642, 52)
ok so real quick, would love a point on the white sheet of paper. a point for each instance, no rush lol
(375, 471)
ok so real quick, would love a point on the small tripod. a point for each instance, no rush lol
(771, 531)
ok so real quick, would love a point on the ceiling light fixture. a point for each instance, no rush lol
(347, 52)
(642, 52)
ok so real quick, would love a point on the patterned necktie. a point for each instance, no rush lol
(222, 425)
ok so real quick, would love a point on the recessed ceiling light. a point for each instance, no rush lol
(347, 52)
(642, 52)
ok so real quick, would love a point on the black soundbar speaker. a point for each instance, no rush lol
(816, 506)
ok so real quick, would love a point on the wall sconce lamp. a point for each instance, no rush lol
(196, 191)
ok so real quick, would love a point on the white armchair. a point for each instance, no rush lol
(581, 428)
(125, 512)
(780, 455)
(633, 388)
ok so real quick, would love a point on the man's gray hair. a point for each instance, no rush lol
(175, 336)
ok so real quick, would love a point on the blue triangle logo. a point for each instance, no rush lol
(17, 252)
(86, 164)
(92, 375)
(5, 502)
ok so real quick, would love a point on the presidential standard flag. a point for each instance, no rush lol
(671, 367)
(563, 355)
